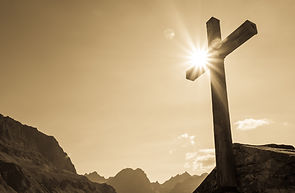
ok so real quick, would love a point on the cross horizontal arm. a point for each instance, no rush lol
(194, 72)
(236, 38)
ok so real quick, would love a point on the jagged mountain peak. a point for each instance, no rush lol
(132, 173)
(95, 177)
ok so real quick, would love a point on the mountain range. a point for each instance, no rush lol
(31, 162)
(135, 180)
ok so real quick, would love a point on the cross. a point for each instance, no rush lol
(219, 49)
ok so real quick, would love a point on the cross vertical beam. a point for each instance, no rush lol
(218, 50)
(222, 132)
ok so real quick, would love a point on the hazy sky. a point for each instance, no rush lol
(107, 79)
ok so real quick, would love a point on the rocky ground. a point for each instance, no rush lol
(260, 169)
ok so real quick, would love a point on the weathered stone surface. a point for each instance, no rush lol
(260, 169)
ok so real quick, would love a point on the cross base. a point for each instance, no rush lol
(228, 189)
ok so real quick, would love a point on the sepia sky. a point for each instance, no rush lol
(107, 79)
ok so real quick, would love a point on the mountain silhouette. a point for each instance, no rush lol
(181, 183)
(189, 184)
(33, 162)
(129, 180)
(168, 186)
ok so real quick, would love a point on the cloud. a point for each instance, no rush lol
(249, 124)
(186, 165)
(190, 155)
(207, 151)
(182, 141)
(187, 138)
(201, 161)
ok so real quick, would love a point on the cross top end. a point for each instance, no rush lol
(213, 20)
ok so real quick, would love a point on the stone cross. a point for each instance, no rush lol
(218, 50)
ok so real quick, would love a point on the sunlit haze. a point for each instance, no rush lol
(106, 78)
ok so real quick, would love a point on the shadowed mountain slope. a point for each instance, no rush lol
(31, 161)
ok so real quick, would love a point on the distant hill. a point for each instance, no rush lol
(181, 183)
(188, 185)
(136, 181)
(170, 184)
(31, 162)
(129, 181)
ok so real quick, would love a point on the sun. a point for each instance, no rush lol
(199, 58)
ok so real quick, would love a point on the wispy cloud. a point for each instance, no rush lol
(196, 160)
(248, 124)
(212, 151)
(182, 141)
(190, 155)
(187, 137)
(200, 161)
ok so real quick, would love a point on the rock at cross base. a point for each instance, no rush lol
(260, 169)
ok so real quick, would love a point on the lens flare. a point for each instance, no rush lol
(199, 58)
